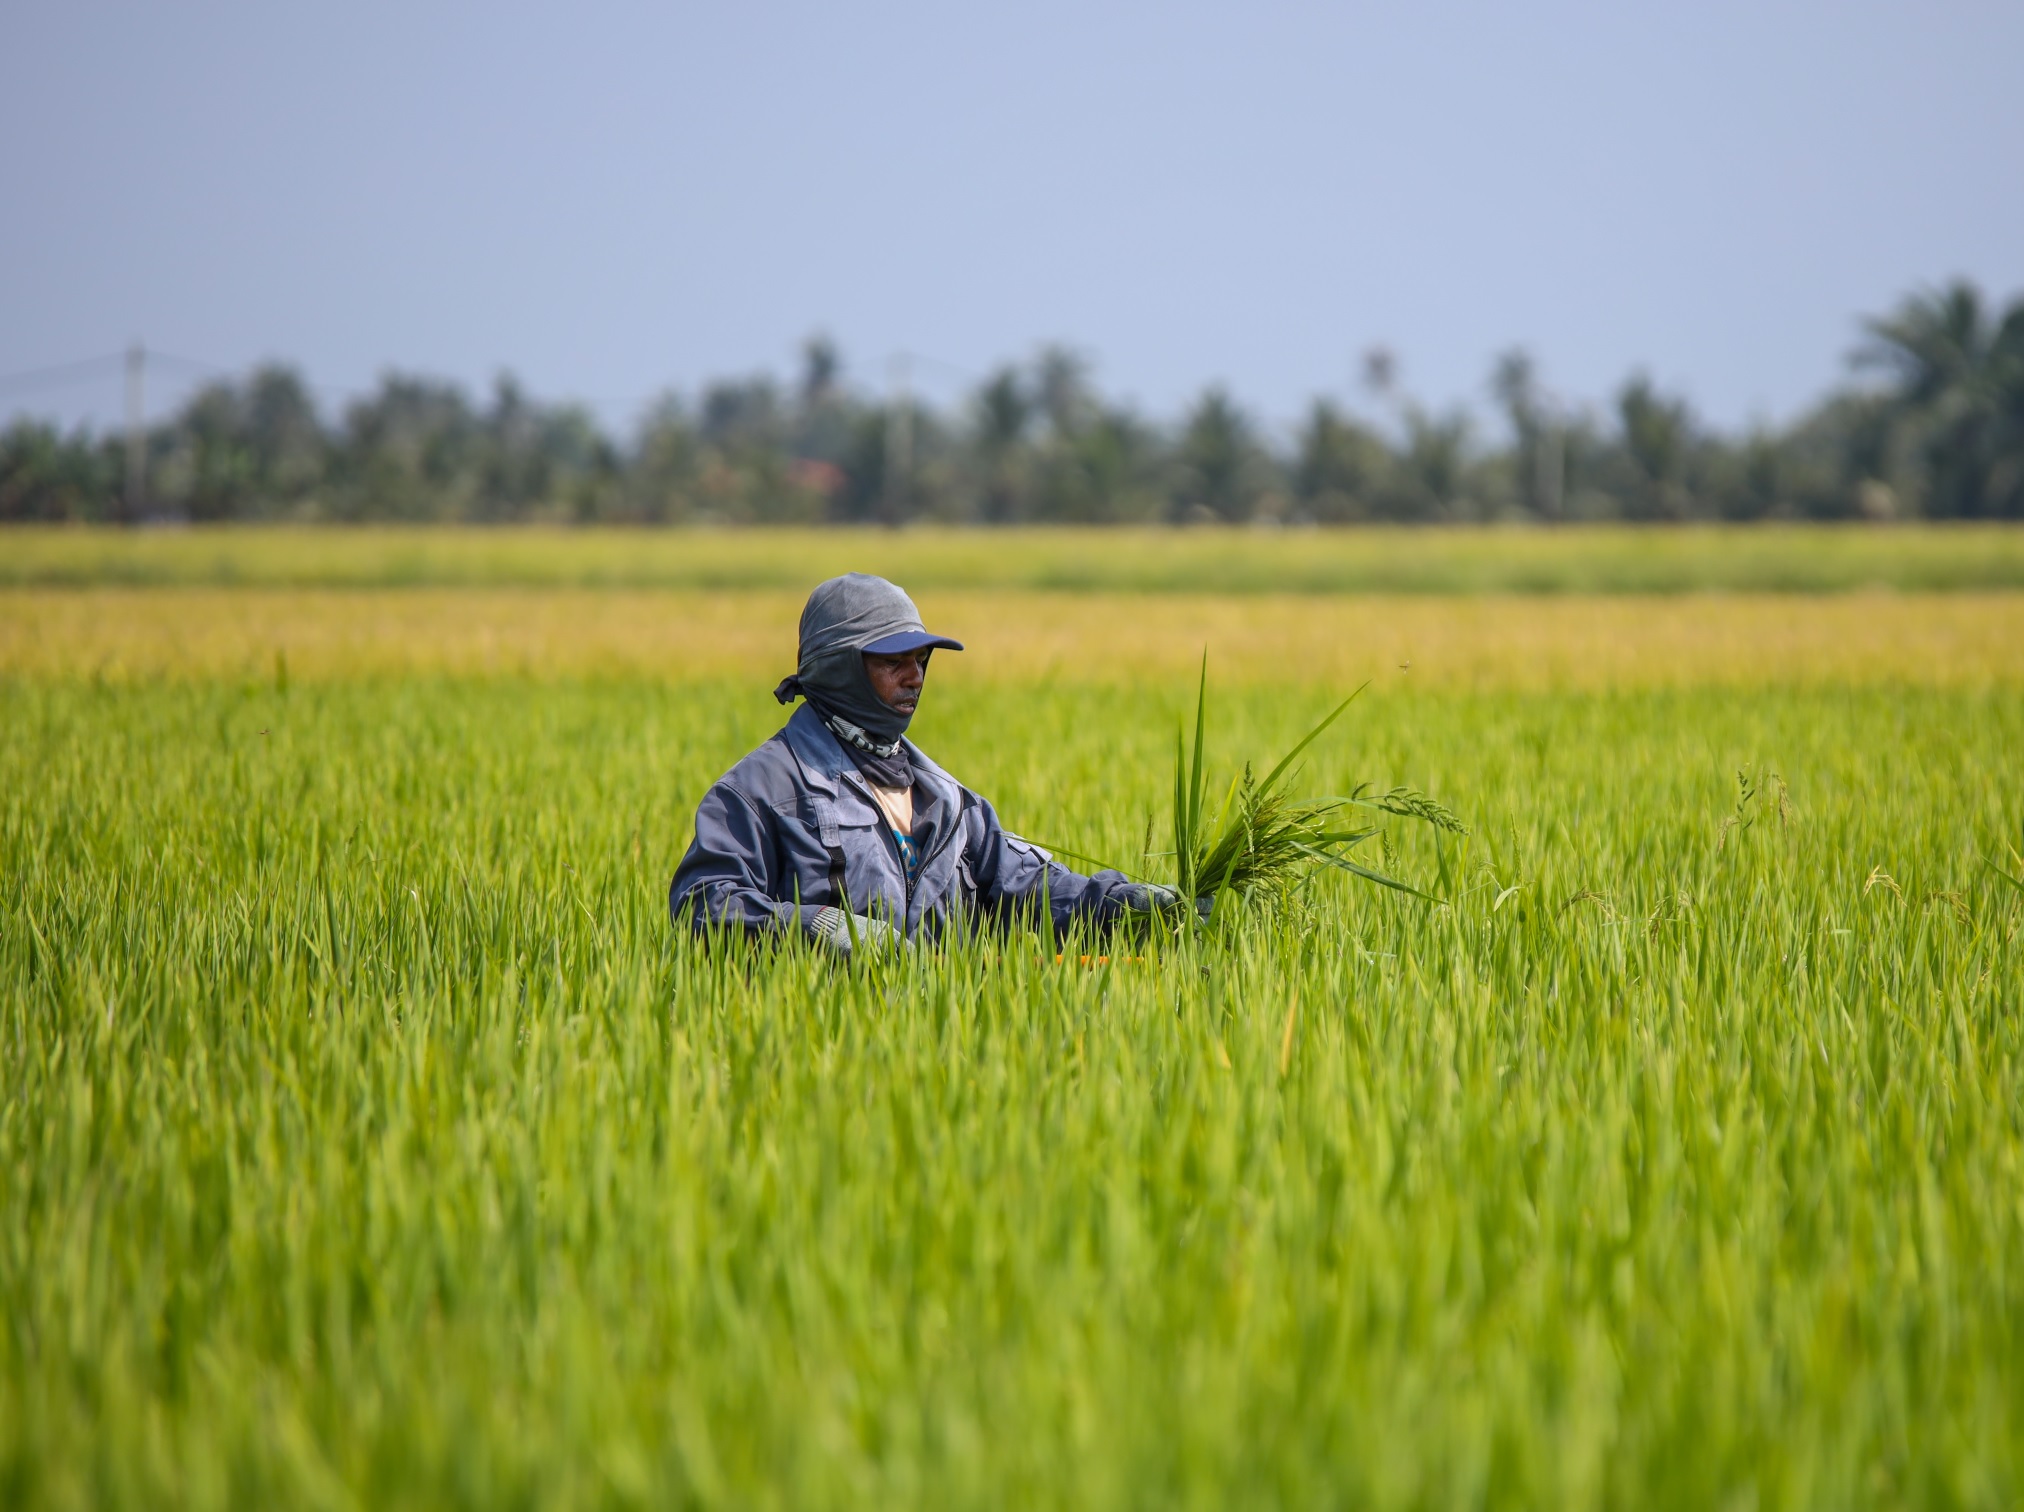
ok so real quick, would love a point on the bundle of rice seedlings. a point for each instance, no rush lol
(1262, 840)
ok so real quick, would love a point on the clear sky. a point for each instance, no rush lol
(611, 199)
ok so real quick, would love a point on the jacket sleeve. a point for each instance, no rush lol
(1014, 875)
(730, 876)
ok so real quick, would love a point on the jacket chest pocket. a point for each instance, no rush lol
(846, 864)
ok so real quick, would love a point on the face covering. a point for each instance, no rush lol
(885, 763)
(846, 617)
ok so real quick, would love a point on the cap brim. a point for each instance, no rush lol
(909, 640)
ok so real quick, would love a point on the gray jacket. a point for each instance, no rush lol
(793, 828)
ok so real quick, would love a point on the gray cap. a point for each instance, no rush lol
(859, 612)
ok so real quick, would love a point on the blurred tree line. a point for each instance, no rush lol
(1935, 431)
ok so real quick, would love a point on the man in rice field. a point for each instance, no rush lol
(838, 828)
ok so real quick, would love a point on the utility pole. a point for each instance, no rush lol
(136, 432)
(899, 456)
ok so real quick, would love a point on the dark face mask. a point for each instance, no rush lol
(837, 684)
(841, 699)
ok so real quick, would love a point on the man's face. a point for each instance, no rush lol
(897, 679)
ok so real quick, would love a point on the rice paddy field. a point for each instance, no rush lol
(369, 1139)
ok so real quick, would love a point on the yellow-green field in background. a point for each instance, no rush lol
(1490, 641)
(1782, 558)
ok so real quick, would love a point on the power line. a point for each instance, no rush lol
(954, 370)
(191, 362)
(226, 370)
(59, 373)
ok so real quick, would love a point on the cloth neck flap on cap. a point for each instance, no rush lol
(843, 616)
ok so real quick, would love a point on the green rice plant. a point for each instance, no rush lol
(1263, 840)
(368, 1138)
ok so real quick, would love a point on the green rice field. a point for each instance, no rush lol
(369, 1139)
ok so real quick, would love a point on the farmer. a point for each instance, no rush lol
(840, 829)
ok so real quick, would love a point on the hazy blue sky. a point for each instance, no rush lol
(609, 199)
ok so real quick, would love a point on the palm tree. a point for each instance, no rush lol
(1004, 414)
(1339, 467)
(1220, 465)
(821, 371)
(1936, 343)
(1958, 393)
(1434, 466)
(2006, 381)
(1658, 435)
(1061, 389)
(1538, 462)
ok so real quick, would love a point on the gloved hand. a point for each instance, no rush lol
(1152, 898)
(833, 927)
(1148, 898)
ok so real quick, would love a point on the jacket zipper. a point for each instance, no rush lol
(907, 877)
(899, 857)
(954, 829)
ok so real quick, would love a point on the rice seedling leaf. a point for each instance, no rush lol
(1272, 777)
(1345, 864)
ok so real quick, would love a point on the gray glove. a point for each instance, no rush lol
(1149, 897)
(1152, 898)
(833, 927)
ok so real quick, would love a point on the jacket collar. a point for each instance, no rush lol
(818, 751)
(945, 789)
